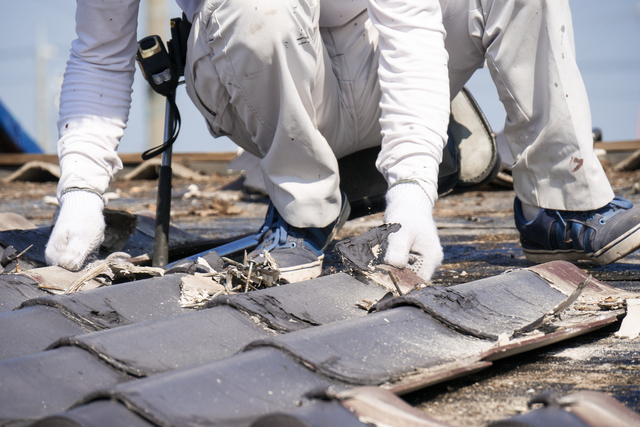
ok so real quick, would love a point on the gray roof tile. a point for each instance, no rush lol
(378, 348)
(16, 289)
(119, 305)
(233, 391)
(33, 329)
(315, 302)
(34, 386)
(107, 413)
(180, 341)
(489, 307)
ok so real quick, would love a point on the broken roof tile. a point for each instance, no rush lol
(314, 302)
(489, 307)
(378, 348)
(118, 305)
(16, 289)
(41, 321)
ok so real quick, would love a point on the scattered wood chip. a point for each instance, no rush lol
(630, 327)
(238, 277)
(197, 289)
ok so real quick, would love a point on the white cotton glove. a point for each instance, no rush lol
(409, 206)
(78, 232)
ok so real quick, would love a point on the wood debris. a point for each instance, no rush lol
(237, 277)
(114, 269)
(630, 327)
(215, 207)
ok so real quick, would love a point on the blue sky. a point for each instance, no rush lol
(607, 35)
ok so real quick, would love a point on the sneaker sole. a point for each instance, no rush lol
(624, 245)
(299, 273)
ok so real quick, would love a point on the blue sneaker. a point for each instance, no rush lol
(603, 236)
(297, 251)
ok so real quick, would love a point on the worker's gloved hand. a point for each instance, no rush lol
(409, 206)
(78, 232)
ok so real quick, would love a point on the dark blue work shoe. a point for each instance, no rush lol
(297, 251)
(603, 236)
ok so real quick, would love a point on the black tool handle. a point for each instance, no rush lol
(163, 217)
(163, 205)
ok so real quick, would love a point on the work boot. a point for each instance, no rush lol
(297, 251)
(603, 235)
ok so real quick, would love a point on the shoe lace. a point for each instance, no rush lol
(278, 228)
(617, 205)
(560, 218)
(568, 235)
(277, 233)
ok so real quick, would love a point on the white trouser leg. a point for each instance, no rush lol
(528, 47)
(260, 72)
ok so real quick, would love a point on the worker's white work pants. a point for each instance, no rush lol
(300, 96)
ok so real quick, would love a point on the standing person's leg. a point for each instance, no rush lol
(529, 50)
(531, 57)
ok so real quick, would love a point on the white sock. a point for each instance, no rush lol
(530, 212)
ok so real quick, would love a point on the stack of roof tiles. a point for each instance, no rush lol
(128, 354)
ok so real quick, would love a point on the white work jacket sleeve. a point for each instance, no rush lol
(96, 93)
(415, 90)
